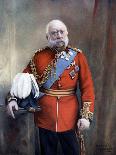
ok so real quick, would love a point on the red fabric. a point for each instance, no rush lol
(68, 105)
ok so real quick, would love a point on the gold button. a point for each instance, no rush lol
(59, 85)
(59, 78)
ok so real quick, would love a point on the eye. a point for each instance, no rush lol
(53, 32)
(61, 31)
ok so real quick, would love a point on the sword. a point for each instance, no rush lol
(20, 110)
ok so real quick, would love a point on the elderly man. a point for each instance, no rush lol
(57, 69)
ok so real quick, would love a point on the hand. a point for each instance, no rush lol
(12, 106)
(83, 124)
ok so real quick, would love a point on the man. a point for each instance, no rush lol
(57, 69)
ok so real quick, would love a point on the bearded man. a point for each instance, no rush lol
(55, 72)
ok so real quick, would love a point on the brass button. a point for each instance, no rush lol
(59, 78)
(59, 85)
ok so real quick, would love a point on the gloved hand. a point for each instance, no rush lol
(83, 124)
(12, 106)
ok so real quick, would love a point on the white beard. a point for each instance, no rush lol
(58, 43)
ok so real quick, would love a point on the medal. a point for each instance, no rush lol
(74, 71)
(72, 74)
(76, 68)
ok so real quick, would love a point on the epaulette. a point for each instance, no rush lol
(39, 50)
(77, 50)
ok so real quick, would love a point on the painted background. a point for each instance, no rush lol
(92, 28)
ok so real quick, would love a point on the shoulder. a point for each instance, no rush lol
(43, 53)
(76, 49)
(80, 54)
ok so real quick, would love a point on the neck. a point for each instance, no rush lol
(60, 49)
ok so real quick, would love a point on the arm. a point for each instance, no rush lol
(21, 89)
(87, 91)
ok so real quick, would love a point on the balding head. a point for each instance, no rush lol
(55, 24)
(57, 34)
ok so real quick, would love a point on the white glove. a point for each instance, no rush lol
(12, 106)
(83, 124)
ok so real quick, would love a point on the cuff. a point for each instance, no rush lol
(85, 112)
(10, 98)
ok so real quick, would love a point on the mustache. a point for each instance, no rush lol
(58, 42)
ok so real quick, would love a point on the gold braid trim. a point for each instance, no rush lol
(85, 112)
(41, 79)
(75, 49)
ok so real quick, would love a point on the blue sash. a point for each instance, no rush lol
(61, 65)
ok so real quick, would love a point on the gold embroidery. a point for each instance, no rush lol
(75, 49)
(41, 79)
(85, 112)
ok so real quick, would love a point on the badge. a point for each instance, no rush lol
(76, 68)
(72, 74)
(66, 56)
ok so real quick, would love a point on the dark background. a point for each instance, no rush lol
(92, 28)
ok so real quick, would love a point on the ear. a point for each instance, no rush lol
(67, 32)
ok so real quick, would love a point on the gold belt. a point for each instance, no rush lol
(59, 93)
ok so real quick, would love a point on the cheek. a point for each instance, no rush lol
(52, 37)
(65, 35)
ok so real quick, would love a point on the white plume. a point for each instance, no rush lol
(21, 86)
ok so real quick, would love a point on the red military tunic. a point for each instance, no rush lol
(62, 114)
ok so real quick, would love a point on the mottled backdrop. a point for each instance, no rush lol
(92, 28)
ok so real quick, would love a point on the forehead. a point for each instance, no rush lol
(57, 26)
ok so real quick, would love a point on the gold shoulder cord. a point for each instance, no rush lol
(41, 79)
(75, 49)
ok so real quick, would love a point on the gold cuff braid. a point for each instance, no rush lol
(85, 112)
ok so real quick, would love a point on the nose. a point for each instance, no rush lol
(59, 35)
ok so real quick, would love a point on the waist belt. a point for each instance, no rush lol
(59, 93)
